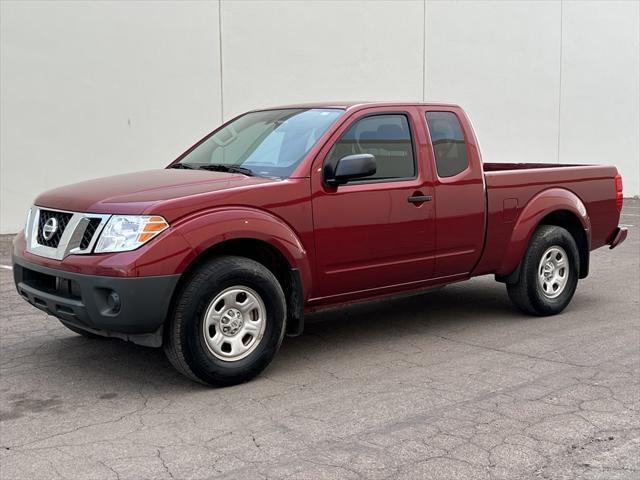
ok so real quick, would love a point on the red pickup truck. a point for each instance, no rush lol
(286, 210)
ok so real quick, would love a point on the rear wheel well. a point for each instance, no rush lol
(272, 259)
(571, 223)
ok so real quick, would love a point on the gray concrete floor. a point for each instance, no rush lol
(451, 384)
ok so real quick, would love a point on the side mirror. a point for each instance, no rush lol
(352, 167)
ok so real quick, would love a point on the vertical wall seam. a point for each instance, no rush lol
(424, 49)
(220, 60)
(560, 83)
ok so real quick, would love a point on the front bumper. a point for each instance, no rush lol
(129, 308)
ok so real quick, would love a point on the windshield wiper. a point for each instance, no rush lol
(219, 167)
(185, 166)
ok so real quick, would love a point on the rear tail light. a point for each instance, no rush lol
(619, 192)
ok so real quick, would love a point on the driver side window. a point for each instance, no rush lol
(387, 137)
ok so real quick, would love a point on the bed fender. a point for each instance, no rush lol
(541, 205)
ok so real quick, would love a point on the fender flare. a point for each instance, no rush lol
(204, 230)
(541, 205)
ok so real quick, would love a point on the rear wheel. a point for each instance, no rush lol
(228, 322)
(548, 272)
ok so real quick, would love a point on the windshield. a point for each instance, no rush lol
(268, 143)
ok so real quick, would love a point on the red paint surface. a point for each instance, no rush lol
(357, 241)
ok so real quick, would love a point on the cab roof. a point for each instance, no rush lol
(350, 105)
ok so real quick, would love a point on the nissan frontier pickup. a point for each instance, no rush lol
(286, 210)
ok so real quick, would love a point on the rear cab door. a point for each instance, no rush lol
(460, 200)
(369, 234)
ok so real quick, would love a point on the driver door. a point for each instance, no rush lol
(374, 233)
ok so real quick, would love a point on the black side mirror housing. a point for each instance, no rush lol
(351, 167)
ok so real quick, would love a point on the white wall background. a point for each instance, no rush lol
(96, 88)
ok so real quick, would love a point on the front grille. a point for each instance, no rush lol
(61, 221)
(47, 228)
(89, 232)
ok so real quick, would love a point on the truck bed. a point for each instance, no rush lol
(511, 186)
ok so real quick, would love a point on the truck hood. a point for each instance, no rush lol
(134, 193)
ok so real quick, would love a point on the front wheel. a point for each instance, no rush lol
(548, 272)
(228, 322)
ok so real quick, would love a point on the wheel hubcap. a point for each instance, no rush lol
(234, 323)
(553, 271)
(231, 322)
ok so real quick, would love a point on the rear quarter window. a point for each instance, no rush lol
(448, 143)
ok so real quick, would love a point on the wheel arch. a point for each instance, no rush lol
(555, 206)
(258, 236)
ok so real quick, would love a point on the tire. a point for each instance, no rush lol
(79, 331)
(233, 294)
(541, 289)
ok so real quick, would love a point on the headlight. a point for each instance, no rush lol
(127, 232)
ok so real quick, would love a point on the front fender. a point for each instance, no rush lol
(541, 205)
(204, 230)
